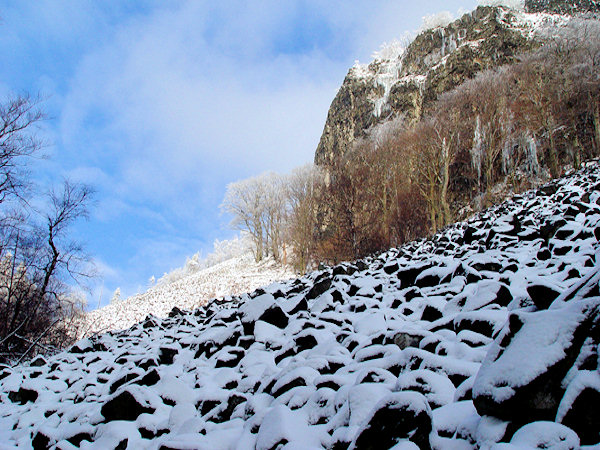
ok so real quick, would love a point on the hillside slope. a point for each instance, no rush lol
(231, 277)
(486, 333)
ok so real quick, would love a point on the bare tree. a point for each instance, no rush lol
(305, 186)
(18, 143)
(39, 262)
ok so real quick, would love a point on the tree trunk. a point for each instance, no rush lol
(597, 128)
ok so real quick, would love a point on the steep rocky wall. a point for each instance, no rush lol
(436, 61)
(562, 6)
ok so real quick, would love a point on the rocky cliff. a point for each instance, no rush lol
(407, 80)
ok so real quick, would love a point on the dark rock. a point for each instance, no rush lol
(124, 407)
(275, 316)
(39, 361)
(408, 339)
(408, 276)
(583, 416)
(80, 437)
(302, 305)
(122, 445)
(305, 342)
(175, 312)
(473, 323)
(23, 396)
(431, 313)
(40, 441)
(207, 406)
(536, 385)
(319, 288)
(400, 415)
(542, 296)
(121, 381)
(167, 355)
(298, 381)
(391, 268)
(150, 379)
(230, 359)
(146, 364)
(427, 281)
(225, 414)
(503, 296)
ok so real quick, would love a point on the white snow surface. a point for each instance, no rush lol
(231, 277)
(306, 363)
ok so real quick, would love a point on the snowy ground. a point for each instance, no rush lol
(486, 336)
(232, 277)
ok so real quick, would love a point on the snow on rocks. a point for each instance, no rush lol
(485, 336)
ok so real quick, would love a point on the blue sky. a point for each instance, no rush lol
(161, 104)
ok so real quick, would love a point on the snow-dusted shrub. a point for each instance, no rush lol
(223, 250)
(438, 20)
(390, 51)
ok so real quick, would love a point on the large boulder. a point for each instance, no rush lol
(398, 416)
(522, 376)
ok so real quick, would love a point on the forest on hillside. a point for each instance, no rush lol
(503, 131)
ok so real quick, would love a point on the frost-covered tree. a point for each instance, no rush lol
(116, 297)
(259, 206)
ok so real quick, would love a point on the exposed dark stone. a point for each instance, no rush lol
(150, 379)
(544, 254)
(207, 406)
(337, 296)
(408, 276)
(275, 316)
(230, 359)
(167, 355)
(40, 441)
(431, 313)
(406, 339)
(232, 402)
(391, 268)
(123, 407)
(146, 364)
(503, 296)
(299, 381)
(39, 361)
(401, 415)
(305, 342)
(542, 296)
(302, 305)
(427, 281)
(122, 445)
(23, 396)
(121, 381)
(79, 437)
(352, 290)
(475, 324)
(584, 416)
(318, 288)
(175, 312)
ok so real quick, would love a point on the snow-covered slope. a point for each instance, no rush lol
(485, 336)
(231, 277)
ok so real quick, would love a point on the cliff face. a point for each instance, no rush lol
(562, 6)
(406, 81)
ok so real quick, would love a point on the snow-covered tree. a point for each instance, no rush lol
(116, 297)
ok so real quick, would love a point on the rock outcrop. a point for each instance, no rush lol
(405, 81)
